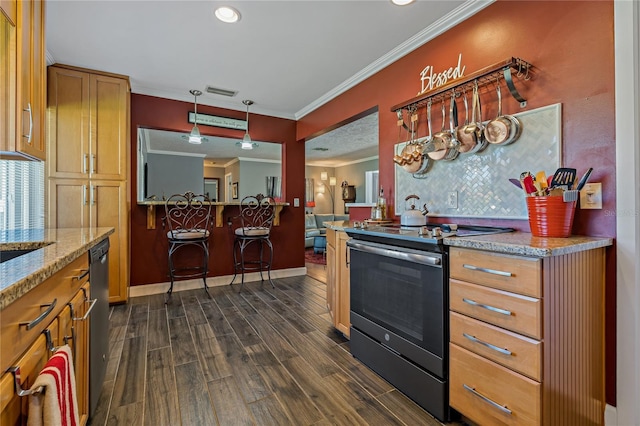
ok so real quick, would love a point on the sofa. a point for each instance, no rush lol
(314, 225)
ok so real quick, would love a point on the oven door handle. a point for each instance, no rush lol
(411, 257)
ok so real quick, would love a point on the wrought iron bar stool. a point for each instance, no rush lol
(188, 217)
(256, 218)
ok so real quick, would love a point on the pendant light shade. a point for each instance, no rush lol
(246, 140)
(194, 137)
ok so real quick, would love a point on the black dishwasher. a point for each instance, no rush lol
(99, 322)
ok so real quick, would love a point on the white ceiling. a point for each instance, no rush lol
(289, 57)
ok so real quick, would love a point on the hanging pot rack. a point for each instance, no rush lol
(507, 69)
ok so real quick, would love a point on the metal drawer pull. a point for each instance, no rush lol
(86, 314)
(85, 272)
(487, 270)
(18, 384)
(484, 398)
(489, 307)
(489, 345)
(28, 109)
(31, 324)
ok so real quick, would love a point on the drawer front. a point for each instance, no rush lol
(490, 394)
(512, 350)
(61, 287)
(522, 314)
(511, 273)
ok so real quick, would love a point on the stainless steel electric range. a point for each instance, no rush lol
(399, 307)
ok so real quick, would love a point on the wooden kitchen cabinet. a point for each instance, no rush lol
(22, 80)
(338, 298)
(30, 349)
(527, 337)
(92, 203)
(88, 144)
(88, 122)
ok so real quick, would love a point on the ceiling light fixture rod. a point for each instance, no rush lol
(194, 137)
(246, 140)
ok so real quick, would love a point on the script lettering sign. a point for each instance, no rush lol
(431, 80)
(212, 120)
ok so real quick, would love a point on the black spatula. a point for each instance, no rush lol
(564, 176)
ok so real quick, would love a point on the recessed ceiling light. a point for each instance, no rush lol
(402, 2)
(227, 14)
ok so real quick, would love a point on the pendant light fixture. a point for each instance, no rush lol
(246, 140)
(194, 137)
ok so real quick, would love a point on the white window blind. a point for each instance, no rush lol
(21, 194)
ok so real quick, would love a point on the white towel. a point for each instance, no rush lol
(55, 404)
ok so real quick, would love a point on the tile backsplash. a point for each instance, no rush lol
(481, 181)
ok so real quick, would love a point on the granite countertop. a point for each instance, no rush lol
(525, 244)
(55, 249)
(338, 225)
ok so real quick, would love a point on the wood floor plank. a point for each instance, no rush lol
(406, 410)
(213, 361)
(262, 307)
(328, 402)
(216, 318)
(244, 370)
(369, 380)
(276, 343)
(99, 417)
(229, 405)
(322, 364)
(138, 321)
(119, 315)
(174, 306)
(296, 403)
(130, 415)
(193, 398)
(130, 380)
(269, 412)
(158, 333)
(284, 310)
(241, 327)
(161, 400)
(181, 342)
(201, 332)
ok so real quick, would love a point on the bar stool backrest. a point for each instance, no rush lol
(256, 216)
(188, 216)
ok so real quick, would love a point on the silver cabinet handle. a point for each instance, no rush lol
(487, 270)
(84, 195)
(86, 314)
(84, 273)
(85, 159)
(488, 307)
(92, 168)
(488, 345)
(28, 109)
(93, 195)
(484, 398)
(43, 315)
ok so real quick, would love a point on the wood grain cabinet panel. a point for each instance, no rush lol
(338, 288)
(555, 372)
(88, 144)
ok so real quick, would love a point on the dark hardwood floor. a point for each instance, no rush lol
(261, 357)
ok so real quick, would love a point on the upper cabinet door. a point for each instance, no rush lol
(88, 122)
(22, 80)
(109, 117)
(68, 123)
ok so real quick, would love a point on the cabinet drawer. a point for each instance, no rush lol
(522, 314)
(512, 350)
(490, 394)
(60, 287)
(511, 273)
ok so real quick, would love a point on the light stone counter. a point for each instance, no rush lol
(525, 244)
(339, 225)
(56, 248)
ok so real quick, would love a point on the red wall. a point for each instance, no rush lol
(149, 246)
(571, 46)
(569, 43)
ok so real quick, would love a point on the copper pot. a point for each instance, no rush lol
(443, 145)
(470, 134)
(502, 130)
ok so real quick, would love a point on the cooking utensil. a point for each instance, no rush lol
(564, 176)
(527, 182)
(516, 182)
(498, 130)
(412, 216)
(541, 177)
(584, 179)
(412, 151)
(441, 140)
(469, 135)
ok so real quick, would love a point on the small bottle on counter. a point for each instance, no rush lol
(382, 204)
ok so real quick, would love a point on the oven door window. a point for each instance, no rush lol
(401, 296)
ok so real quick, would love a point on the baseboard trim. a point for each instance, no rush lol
(610, 415)
(159, 288)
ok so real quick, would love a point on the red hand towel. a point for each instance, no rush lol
(56, 403)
